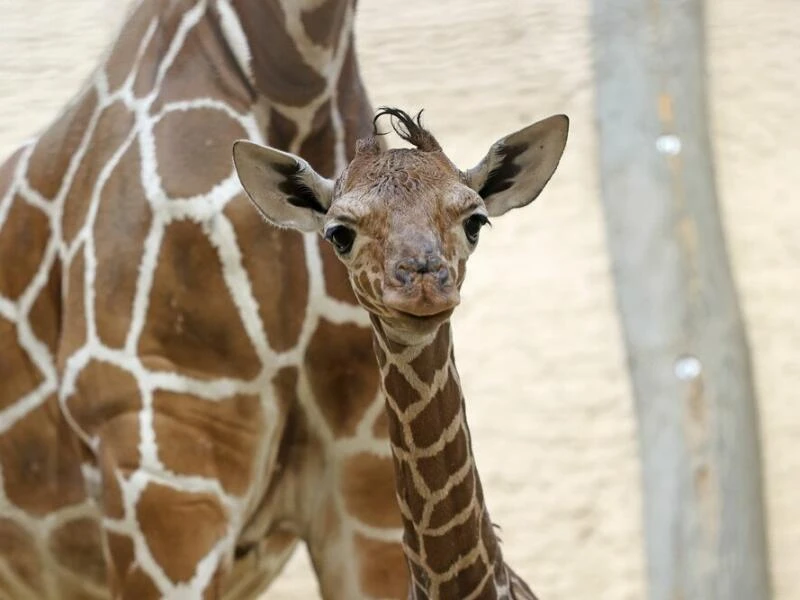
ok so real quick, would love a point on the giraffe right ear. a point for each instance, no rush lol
(283, 187)
(518, 166)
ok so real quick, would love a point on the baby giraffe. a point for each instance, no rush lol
(404, 221)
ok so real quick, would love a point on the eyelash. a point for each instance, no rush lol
(472, 226)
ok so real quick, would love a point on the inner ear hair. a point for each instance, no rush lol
(503, 170)
(294, 185)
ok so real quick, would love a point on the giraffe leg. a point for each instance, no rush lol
(353, 559)
(354, 528)
(255, 569)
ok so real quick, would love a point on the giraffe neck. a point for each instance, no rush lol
(287, 47)
(449, 540)
(299, 59)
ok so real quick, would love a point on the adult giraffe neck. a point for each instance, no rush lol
(299, 59)
(449, 539)
(287, 47)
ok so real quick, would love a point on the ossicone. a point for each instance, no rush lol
(408, 128)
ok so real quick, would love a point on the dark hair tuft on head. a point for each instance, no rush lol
(407, 127)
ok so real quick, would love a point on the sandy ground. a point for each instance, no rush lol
(537, 335)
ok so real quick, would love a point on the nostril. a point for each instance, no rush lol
(403, 275)
(433, 264)
(406, 270)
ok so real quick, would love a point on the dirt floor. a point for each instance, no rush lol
(538, 339)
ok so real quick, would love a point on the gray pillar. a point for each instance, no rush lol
(686, 344)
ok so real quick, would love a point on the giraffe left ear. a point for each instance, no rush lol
(518, 166)
(283, 187)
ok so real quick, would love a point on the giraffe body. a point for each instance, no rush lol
(404, 222)
(176, 413)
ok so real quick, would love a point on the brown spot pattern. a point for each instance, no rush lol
(45, 313)
(122, 215)
(342, 373)
(113, 127)
(107, 403)
(214, 439)
(7, 170)
(138, 585)
(73, 334)
(436, 470)
(111, 500)
(275, 265)
(399, 389)
(383, 571)
(123, 54)
(407, 492)
(318, 148)
(122, 554)
(294, 450)
(363, 285)
(380, 355)
(465, 581)
(23, 236)
(193, 522)
(434, 357)
(19, 549)
(458, 499)
(17, 372)
(193, 150)
(323, 23)
(169, 18)
(56, 147)
(354, 109)
(411, 536)
(380, 428)
(39, 462)
(192, 321)
(279, 68)
(282, 131)
(337, 284)
(368, 489)
(439, 412)
(78, 547)
(204, 68)
(439, 548)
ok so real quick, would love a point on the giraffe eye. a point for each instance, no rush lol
(341, 237)
(472, 226)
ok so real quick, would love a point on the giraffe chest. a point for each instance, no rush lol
(221, 328)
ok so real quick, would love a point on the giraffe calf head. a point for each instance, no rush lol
(403, 221)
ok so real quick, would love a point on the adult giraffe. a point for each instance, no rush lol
(217, 406)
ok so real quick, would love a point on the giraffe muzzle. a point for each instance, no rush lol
(421, 287)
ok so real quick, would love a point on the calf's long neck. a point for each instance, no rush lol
(449, 540)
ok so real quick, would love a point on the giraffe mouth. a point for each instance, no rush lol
(422, 303)
(425, 317)
(421, 309)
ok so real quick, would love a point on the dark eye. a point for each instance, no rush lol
(341, 237)
(472, 226)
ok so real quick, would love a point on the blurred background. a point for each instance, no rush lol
(539, 339)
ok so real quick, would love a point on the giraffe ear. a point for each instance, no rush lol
(518, 166)
(283, 187)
